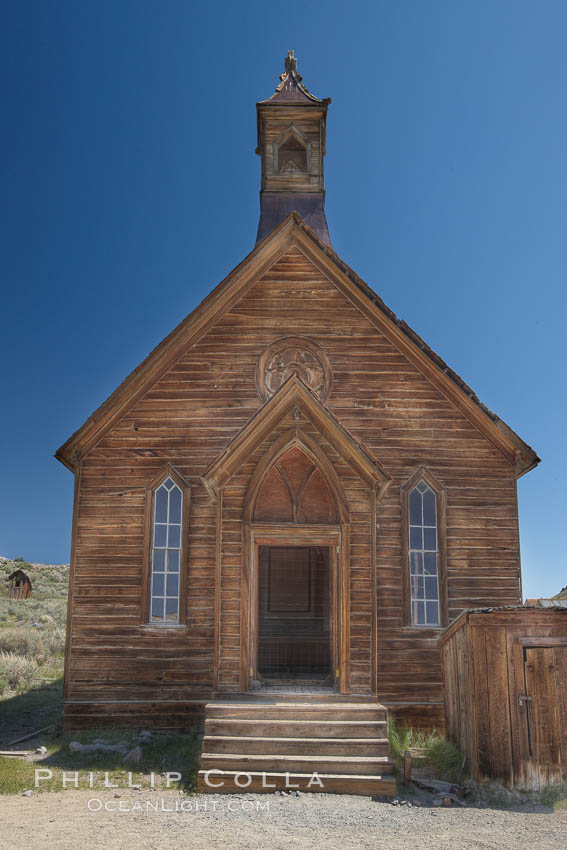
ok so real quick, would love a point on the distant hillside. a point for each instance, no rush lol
(562, 594)
(32, 643)
(49, 581)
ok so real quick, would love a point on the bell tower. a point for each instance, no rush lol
(291, 141)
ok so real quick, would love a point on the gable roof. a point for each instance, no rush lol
(294, 394)
(20, 574)
(294, 232)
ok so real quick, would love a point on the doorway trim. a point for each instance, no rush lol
(336, 538)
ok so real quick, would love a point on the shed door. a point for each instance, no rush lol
(545, 670)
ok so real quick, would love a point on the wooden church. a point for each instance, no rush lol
(291, 497)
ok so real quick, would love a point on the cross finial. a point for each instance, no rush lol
(291, 68)
(290, 63)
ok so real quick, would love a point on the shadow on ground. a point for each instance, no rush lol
(24, 713)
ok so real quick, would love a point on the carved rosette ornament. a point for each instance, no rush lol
(290, 356)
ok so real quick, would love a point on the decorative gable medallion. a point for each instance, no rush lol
(290, 356)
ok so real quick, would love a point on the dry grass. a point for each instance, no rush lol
(17, 672)
(32, 631)
(175, 751)
(444, 758)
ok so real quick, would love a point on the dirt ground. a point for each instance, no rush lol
(68, 820)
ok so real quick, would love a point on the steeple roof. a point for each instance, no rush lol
(292, 178)
(290, 90)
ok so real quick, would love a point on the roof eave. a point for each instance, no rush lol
(518, 452)
(263, 253)
(525, 458)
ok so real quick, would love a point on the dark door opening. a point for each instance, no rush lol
(294, 623)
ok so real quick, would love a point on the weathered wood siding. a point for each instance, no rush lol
(273, 125)
(488, 672)
(189, 416)
(19, 585)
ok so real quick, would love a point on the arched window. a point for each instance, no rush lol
(165, 574)
(425, 602)
(424, 576)
(291, 152)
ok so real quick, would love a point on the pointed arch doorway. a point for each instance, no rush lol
(295, 625)
(249, 516)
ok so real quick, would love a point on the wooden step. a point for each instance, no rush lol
(294, 695)
(276, 763)
(295, 728)
(296, 711)
(296, 746)
(233, 782)
(265, 744)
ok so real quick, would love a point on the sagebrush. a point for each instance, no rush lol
(32, 631)
(17, 672)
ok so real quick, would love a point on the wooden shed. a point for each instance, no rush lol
(505, 686)
(19, 585)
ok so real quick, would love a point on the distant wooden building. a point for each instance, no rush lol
(291, 487)
(505, 675)
(19, 585)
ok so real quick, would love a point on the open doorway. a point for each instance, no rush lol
(294, 622)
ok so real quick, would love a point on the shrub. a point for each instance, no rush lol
(55, 640)
(446, 758)
(399, 738)
(45, 618)
(443, 756)
(22, 641)
(27, 640)
(17, 672)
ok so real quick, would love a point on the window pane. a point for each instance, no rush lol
(171, 610)
(161, 505)
(175, 505)
(416, 537)
(431, 587)
(418, 609)
(168, 483)
(430, 564)
(432, 612)
(416, 562)
(415, 508)
(422, 487)
(417, 587)
(157, 609)
(174, 539)
(173, 561)
(429, 508)
(160, 534)
(158, 560)
(157, 584)
(430, 539)
(172, 584)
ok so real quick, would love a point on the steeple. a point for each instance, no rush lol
(291, 141)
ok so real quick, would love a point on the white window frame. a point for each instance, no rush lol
(423, 476)
(169, 538)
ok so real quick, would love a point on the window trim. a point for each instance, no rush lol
(423, 474)
(146, 597)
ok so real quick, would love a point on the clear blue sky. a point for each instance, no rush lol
(131, 188)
